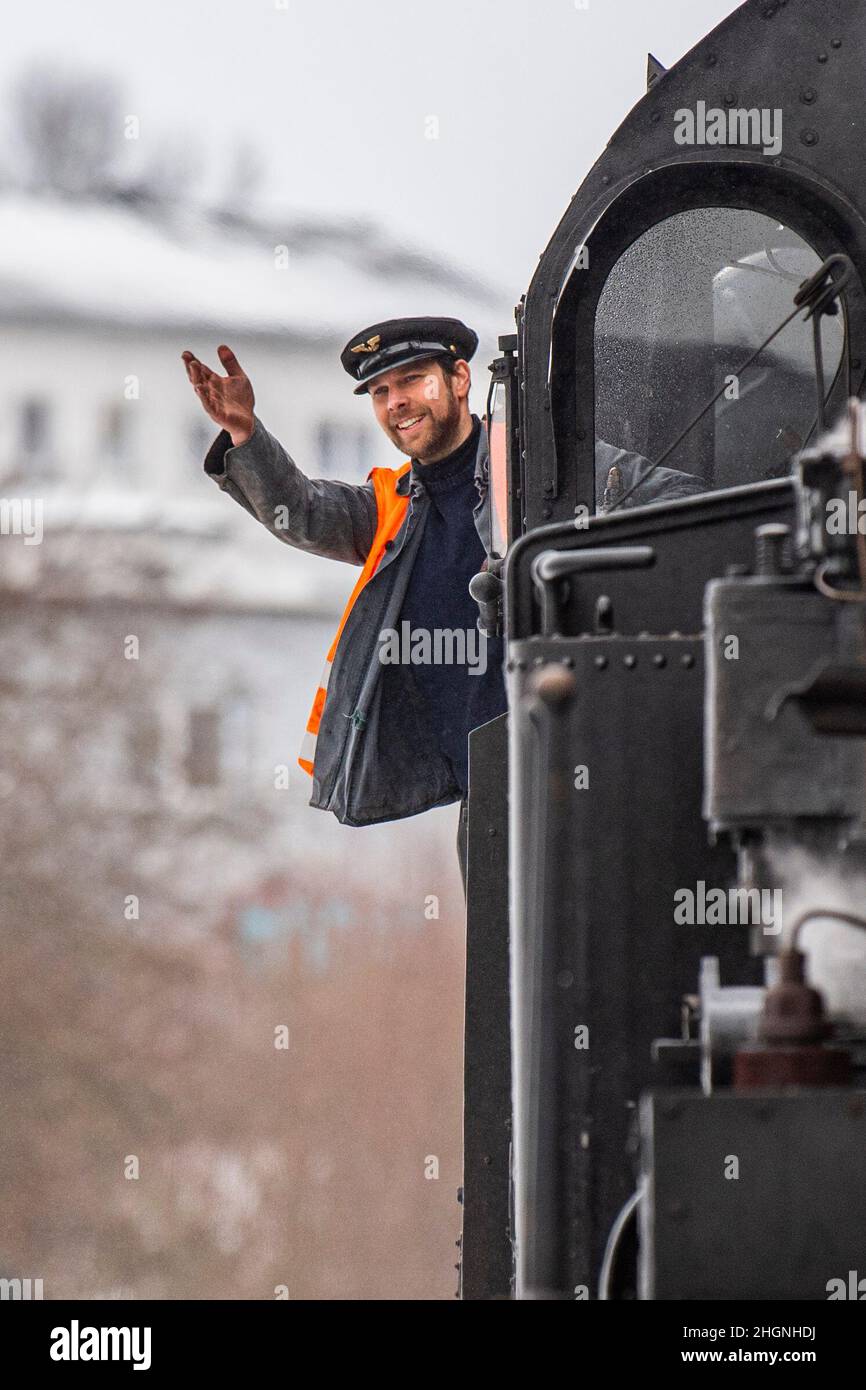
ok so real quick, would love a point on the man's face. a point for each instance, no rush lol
(420, 409)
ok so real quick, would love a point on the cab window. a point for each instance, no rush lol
(679, 313)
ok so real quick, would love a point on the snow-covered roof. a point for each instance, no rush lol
(146, 545)
(67, 259)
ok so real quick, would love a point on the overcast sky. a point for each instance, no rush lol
(337, 97)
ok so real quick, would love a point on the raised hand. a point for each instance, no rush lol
(228, 400)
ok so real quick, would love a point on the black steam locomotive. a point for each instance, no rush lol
(665, 1067)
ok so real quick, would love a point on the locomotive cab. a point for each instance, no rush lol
(686, 668)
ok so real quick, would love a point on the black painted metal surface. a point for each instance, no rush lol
(780, 1223)
(487, 1263)
(595, 867)
(605, 664)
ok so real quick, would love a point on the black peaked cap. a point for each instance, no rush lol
(397, 341)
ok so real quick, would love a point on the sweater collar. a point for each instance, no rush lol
(455, 468)
(413, 478)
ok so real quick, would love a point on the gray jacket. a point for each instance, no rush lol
(664, 485)
(377, 754)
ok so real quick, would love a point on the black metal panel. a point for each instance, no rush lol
(599, 946)
(792, 1220)
(487, 1263)
(695, 540)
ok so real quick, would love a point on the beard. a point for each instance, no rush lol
(434, 438)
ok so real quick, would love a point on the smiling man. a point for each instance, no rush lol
(386, 738)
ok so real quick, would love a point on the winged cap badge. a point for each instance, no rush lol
(371, 345)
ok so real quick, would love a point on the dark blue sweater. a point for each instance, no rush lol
(450, 553)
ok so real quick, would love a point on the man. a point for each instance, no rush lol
(386, 738)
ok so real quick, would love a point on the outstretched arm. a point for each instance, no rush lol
(333, 519)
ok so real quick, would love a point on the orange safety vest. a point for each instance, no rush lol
(391, 510)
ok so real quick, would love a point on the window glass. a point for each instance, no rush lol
(681, 311)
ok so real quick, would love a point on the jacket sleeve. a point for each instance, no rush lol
(324, 517)
(665, 485)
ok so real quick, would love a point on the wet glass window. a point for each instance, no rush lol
(681, 311)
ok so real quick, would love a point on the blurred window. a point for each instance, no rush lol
(203, 749)
(143, 745)
(237, 737)
(34, 434)
(343, 451)
(116, 434)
